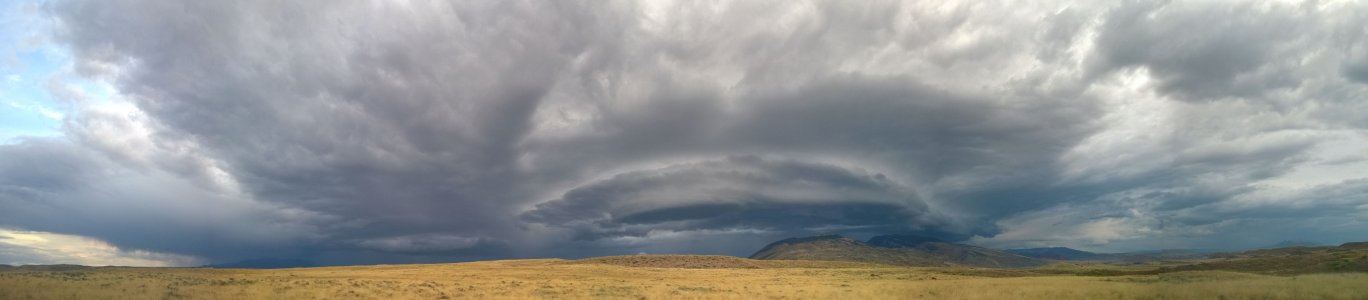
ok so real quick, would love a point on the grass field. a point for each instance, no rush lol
(643, 278)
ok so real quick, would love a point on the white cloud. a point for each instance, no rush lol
(1068, 226)
(51, 114)
(20, 247)
(37, 108)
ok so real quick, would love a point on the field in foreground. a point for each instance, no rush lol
(655, 277)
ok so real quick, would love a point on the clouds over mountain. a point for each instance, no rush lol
(502, 129)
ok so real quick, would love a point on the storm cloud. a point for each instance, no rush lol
(735, 193)
(384, 131)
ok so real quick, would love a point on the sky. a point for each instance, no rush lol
(180, 133)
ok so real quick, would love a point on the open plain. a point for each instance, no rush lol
(667, 277)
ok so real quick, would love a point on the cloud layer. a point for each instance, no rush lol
(435, 131)
(735, 193)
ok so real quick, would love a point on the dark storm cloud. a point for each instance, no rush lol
(744, 192)
(429, 131)
(930, 135)
(67, 189)
(35, 165)
(398, 120)
(1357, 73)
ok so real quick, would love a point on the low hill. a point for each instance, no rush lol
(1059, 253)
(1349, 257)
(893, 250)
(1070, 254)
(44, 268)
(1293, 243)
(839, 248)
(1161, 255)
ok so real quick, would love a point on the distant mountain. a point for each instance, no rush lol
(43, 268)
(1064, 253)
(265, 263)
(1060, 253)
(893, 250)
(1293, 243)
(1162, 255)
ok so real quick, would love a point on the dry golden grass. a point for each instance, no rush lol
(549, 278)
(714, 262)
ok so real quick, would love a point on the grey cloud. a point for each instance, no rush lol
(34, 165)
(1203, 50)
(88, 195)
(1357, 73)
(1356, 66)
(1346, 198)
(744, 192)
(434, 244)
(352, 120)
(1250, 217)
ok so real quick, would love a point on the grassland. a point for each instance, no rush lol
(681, 277)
